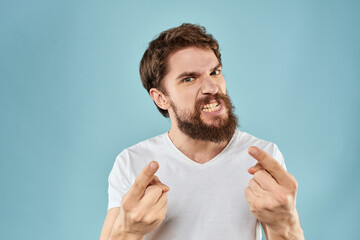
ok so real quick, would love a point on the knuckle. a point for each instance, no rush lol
(259, 205)
(271, 204)
(126, 204)
(147, 220)
(294, 185)
(282, 199)
(137, 184)
(138, 217)
(150, 219)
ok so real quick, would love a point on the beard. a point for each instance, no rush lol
(222, 128)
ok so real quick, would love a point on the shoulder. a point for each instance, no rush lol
(141, 151)
(243, 140)
(151, 144)
(246, 139)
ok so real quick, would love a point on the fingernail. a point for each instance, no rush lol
(153, 165)
(253, 151)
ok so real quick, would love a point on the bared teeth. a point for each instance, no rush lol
(211, 107)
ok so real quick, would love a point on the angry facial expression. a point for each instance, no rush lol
(196, 90)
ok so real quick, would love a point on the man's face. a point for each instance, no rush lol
(197, 92)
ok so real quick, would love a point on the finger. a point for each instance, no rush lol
(142, 181)
(269, 164)
(163, 210)
(256, 188)
(161, 202)
(151, 196)
(265, 180)
(255, 168)
(156, 181)
(250, 197)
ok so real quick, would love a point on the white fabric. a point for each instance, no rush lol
(205, 201)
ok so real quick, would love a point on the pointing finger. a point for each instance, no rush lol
(269, 164)
(143, 179)
(255, 168)
(156, 181)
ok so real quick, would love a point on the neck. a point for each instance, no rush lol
(197, 150)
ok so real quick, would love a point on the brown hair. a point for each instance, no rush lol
(154, 63)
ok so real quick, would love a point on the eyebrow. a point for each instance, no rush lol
(187, 74)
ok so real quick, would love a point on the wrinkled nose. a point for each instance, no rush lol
(209, 86)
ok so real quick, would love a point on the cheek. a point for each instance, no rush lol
(184, 100)
(189, 98)
(222, 86)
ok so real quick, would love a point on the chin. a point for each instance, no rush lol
(210, 120)
(218, 122)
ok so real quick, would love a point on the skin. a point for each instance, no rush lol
(142, 209)
(272, 197)
(193, 74)
(206, 79)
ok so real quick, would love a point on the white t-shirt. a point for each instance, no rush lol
(206, 201)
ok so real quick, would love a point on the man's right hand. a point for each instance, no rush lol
(143, 208)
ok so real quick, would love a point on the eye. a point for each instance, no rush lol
(215, 72)
(188, 79)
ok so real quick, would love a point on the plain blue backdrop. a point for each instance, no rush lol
(71, 100)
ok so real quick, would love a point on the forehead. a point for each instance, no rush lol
(191, 59)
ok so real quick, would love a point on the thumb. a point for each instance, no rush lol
(156, 181)
(255, 168)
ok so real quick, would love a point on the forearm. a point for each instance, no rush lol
(125, 236)
(295, 233)
(287, 231)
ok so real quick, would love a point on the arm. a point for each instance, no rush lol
(288, 232)
(110, 218)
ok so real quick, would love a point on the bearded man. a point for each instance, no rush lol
(224, 182)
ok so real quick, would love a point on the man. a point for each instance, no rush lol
(216, 181)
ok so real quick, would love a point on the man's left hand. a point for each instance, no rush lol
(272, 197)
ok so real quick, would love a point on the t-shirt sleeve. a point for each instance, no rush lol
(278, 156)
(119, 183)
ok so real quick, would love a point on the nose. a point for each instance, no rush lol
(209, 86)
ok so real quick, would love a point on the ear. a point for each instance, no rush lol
(160, 99)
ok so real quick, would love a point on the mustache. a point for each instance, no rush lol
(207, 99)
(192, 125)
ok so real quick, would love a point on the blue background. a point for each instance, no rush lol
(71, 100)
